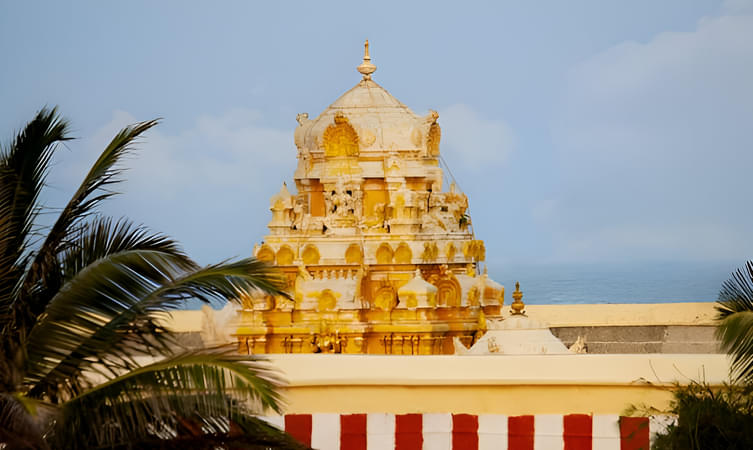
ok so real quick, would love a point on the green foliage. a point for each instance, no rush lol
(721, 417)
(709, 418)
(84, 362)
(735, 330)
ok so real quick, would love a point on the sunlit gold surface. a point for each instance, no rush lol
(369, 217)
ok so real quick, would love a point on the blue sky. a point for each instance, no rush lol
(581, 131)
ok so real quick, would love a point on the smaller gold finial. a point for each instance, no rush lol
(518, 307)
(366, 68)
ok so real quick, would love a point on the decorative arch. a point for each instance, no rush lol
(285, 256)
(310, 255)
(353, 254)
(448, 292)
(403, 254)
(266, 254)
(340, 138)
(384, 254)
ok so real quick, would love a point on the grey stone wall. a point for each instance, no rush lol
(642, 339)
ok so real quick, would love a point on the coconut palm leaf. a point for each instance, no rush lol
(89, 301)
(23, 168)
(87, 323)
(735, 312)
(19, 428)
(736, 335)
(207, 387)
(84, 361)
(90, 193)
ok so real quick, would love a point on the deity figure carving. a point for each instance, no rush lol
(457, 204)
(433, 133)
(299, 137)
(403, 202)
(358, 204)
(340, 202)
(298, 213)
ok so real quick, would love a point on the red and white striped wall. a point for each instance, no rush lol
(470, 432)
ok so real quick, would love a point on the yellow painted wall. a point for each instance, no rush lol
(499, 384)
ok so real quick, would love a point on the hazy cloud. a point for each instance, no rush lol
(474, 141)
(208, 185)
(654, 142)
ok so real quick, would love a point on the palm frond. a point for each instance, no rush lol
(90, 193)
(23, 168)
(736, 294)
(225, 281)
(736, 335)
(89, 301)
(204, 389)
(102, 237)
(19, 428)
(87, 323)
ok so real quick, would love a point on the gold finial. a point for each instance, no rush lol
(366, 68)
(517, 307)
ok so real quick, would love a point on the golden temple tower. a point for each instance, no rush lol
(377, 257)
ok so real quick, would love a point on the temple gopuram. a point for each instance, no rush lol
(378, 255)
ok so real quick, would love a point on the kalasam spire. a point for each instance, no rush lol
(366, 67)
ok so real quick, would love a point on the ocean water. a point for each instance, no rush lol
(651, 282)
(654, 282)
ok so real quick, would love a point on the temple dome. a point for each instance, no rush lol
(381, 121)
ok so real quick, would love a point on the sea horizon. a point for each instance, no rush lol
(615, 282)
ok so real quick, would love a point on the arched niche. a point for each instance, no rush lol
(448, 292)
(310, 255)
(403, 254)
(340, 138)
(384, 254)
(353, 255)
(285, 256)
(266, 254)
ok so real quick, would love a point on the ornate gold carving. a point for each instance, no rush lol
(481, 252)
(410, 300)
(385, 298)
(430, 253)
(473, 296)
(384, 254)
(450, 251)
(432, 139)
(448, 287)
(327, 301)
(340, 139)
(517, 307)
(403, 254)
(448, 292)
(310, 255)
(266, 254)
(285, 256)
(353, 254)
(474, 250)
